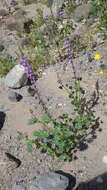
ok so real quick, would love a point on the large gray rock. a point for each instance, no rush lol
(49, 181)
(16, 78)
(82, 11)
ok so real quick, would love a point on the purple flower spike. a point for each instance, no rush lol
(68, 47)
(74, 35)
(30, 74)
(58, 13)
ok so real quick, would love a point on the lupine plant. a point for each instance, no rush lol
(66, 132)
(30, 74)
(32, 78)
(59, 137)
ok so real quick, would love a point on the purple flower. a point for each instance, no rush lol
(58, 13)
(68, 47)
(74, 35)
(30, 74)
(69, 50)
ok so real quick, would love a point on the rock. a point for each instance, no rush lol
(82, 11)
(99, 179)
(19, 14)
(16, 78)
(43, 28)
(9, 42)
(30, 11)
(15, 24)
(2, 107)
(104, 159)
(49, 181)
(14, 96)
(16, 21)
(98, 38)
(3, 12)
(18, 187)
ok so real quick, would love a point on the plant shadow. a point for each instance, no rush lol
(72, 179)
(2, 119)
(92, 133)
(97, 183)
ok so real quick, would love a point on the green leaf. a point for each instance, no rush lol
(41, 134)
(29, 146)
(46, 119)
(19, 138)
(63, 116)
(32, 121)
(82, 133)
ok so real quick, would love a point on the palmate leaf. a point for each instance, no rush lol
(32, 121)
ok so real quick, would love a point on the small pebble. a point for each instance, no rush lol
(104, 159)
(99, 179)
(39, 161)
(2, 107)
(43, 73)
(50, 107)
(60, 105)
(89, 58)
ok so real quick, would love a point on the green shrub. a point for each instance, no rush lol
(6, 65)
(100, 10)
